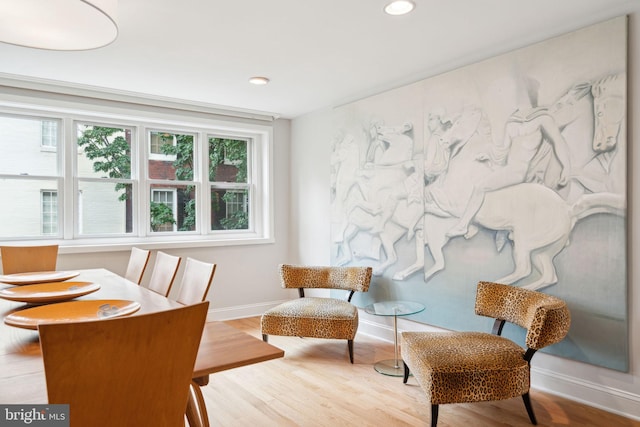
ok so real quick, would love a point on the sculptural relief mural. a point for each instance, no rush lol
(510, 170)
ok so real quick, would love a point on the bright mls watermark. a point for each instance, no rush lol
(34, 415)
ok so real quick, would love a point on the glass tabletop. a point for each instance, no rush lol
(394, 308)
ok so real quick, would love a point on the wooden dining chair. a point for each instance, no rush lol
(137, 265)
(127, 371)
(25, 259)
(196, 281)
(164, 273)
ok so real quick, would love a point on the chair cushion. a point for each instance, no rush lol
(312, 317)
(455, 367)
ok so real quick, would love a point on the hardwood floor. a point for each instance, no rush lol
(315, 385)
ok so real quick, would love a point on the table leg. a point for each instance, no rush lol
(393, 367)
(196, 410)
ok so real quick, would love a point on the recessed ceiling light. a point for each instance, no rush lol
(399, 7)
(259, 80)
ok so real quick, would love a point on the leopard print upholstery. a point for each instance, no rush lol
(545, 317)
(314, 316)
(456, 367)
(347, 278)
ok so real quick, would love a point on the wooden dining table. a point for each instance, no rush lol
(222, 347)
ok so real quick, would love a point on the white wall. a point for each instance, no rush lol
(612, 390)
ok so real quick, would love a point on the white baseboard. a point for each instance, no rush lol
(609, 399)
(240, 311)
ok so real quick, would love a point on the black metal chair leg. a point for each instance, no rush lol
(265, 337)
(406, 373)
(527, 404)
(350, 344)
(434, 415)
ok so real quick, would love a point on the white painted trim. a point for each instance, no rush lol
(240, 311)
(608, 399)
(77, 90)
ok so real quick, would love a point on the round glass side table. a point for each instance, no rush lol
(393, 367)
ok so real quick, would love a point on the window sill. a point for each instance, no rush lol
(151, 243)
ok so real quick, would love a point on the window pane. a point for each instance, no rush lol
(23, 214)
(21, 147)
(105, 152)
(227, 160)
(170, 156)
(104, 208)
(229, 209)
(173, 208)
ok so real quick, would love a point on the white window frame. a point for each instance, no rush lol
(180, 120)
(172, 183)
(79, 203)
(254, 221)
(54, 177)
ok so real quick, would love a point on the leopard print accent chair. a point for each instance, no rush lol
(456, 367)
(317, 317)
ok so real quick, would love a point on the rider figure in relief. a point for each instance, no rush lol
(525, 131)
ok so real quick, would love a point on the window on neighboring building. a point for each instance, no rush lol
(49, 135)
(49, 212)
(163, 210)
(161, 145)
(236, 203)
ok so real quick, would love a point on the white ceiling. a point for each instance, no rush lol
(317, 54)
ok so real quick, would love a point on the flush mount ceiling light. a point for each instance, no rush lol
(399, 7)
(259, 80)
(58, 24)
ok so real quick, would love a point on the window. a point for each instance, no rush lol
(163, 210)
(236, 204)
(124, 180)
(178, 173)
(49, 212)
(49, 135)
(230, 190)
(161, 146)
(103, 177)
(26, 174)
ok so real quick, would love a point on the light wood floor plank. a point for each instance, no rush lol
(314, 385)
